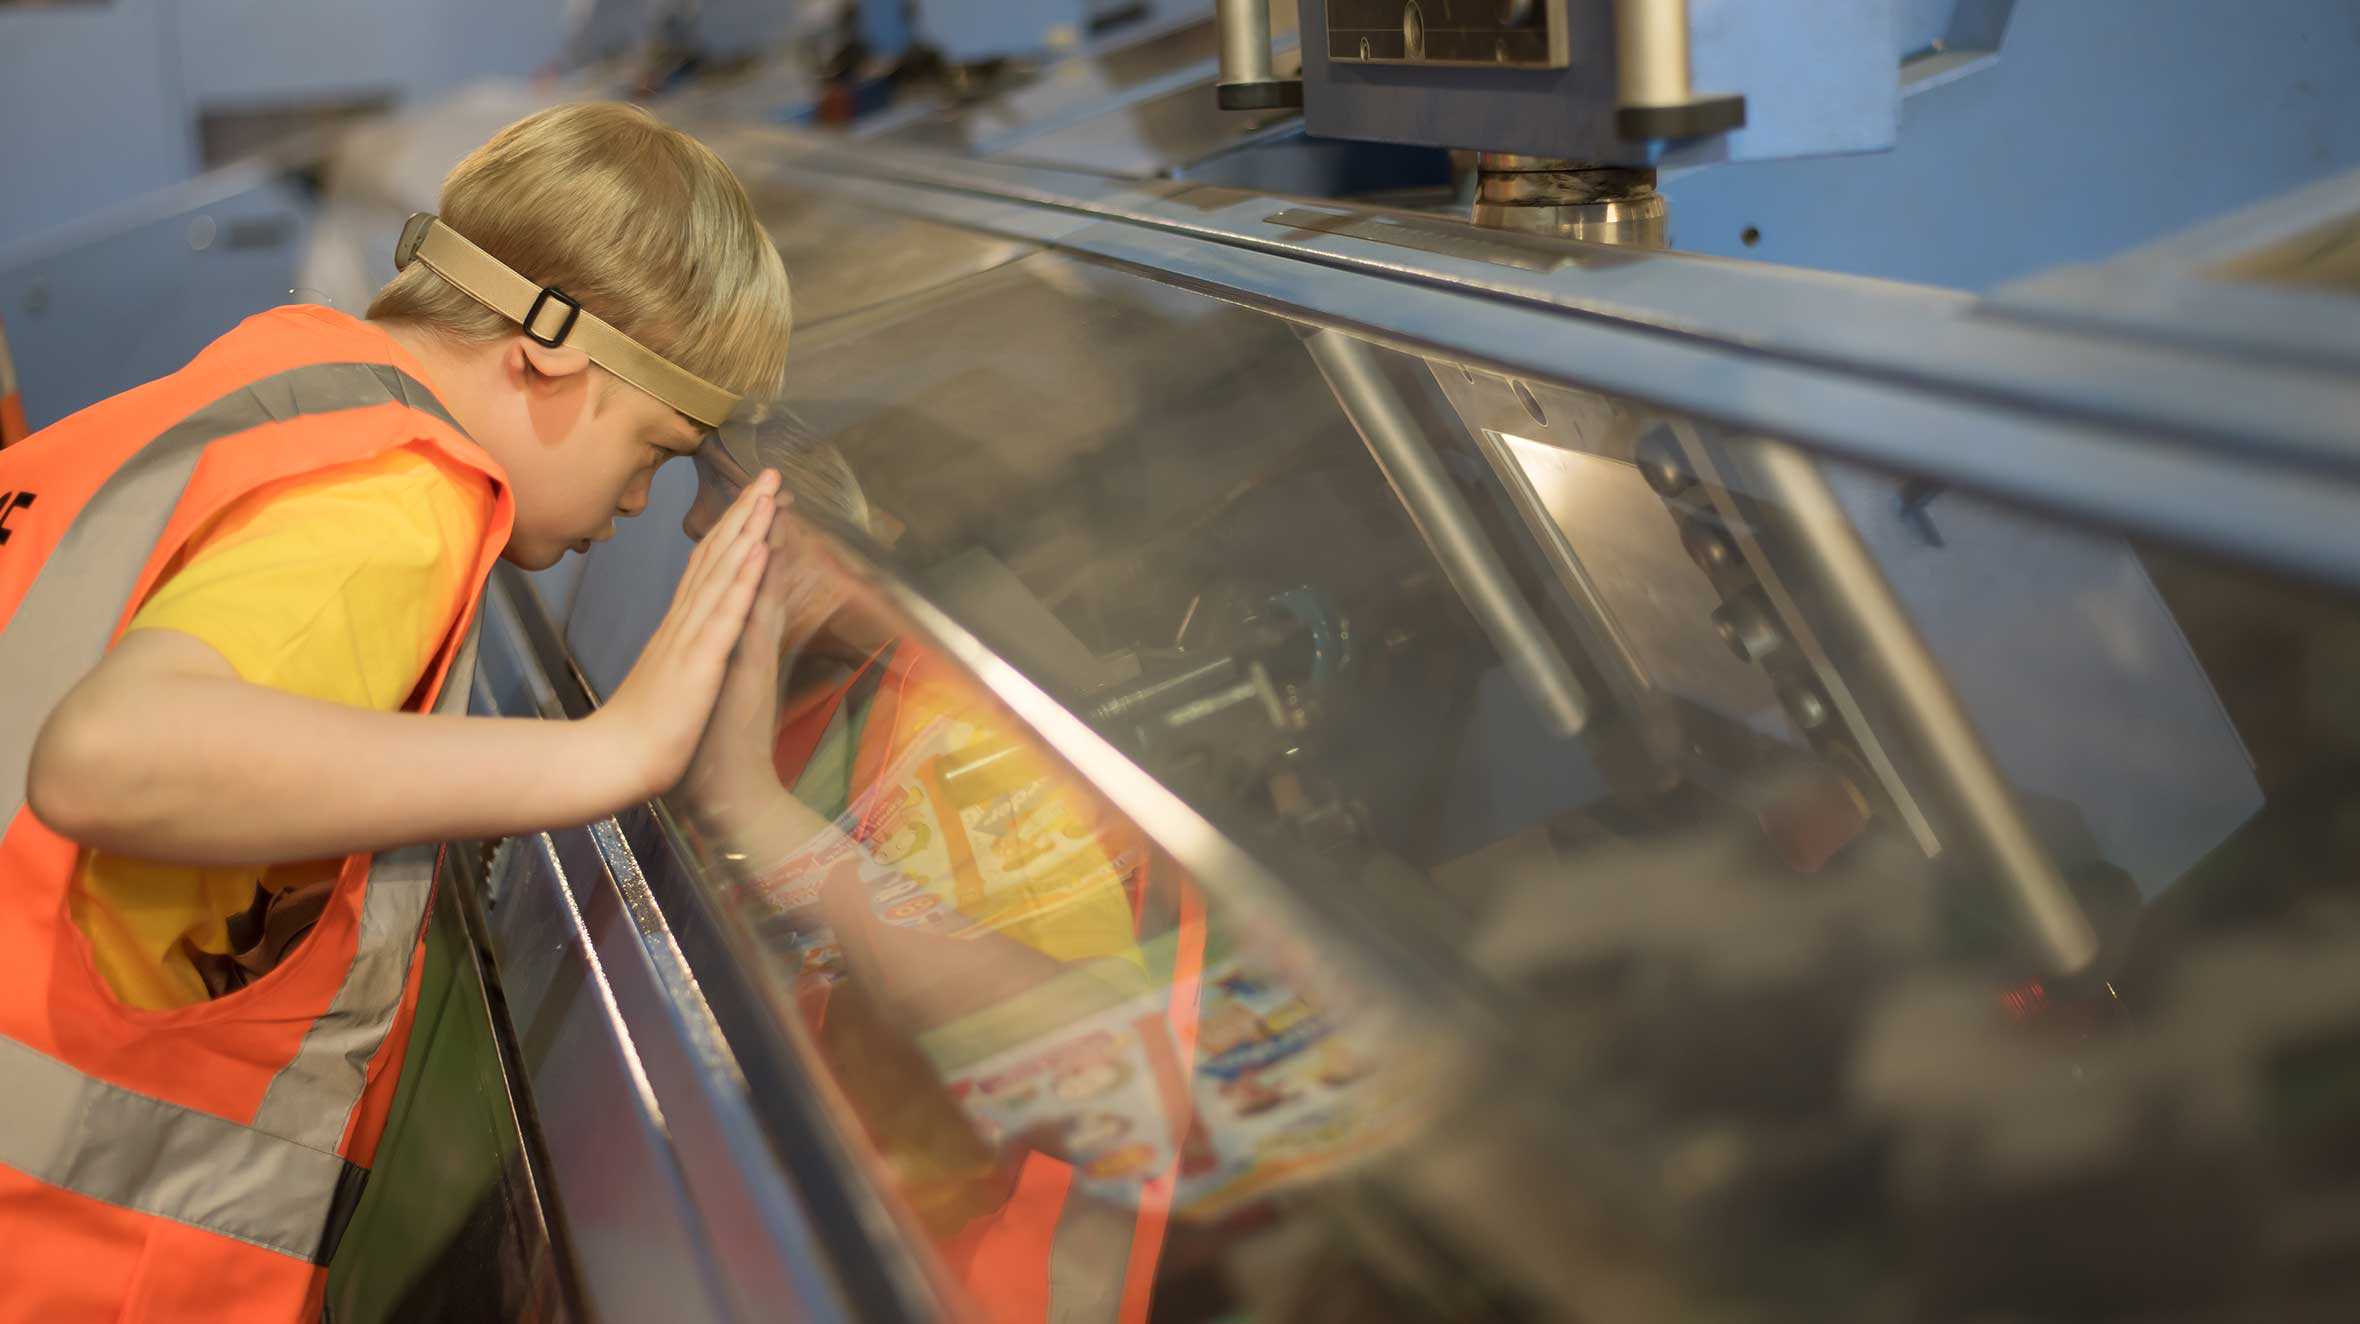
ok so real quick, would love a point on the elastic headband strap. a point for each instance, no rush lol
(550, 317)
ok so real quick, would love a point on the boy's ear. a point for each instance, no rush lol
(564, 361)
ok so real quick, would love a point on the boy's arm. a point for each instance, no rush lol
(163, 753)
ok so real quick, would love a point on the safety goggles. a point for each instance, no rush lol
(551, 317)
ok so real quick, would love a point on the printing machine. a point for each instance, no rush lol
(1703, 790)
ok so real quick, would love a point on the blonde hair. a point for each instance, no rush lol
(814, 472)
(637, 221)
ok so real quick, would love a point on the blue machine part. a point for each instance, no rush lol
(134, 292)
(2102, 124)
(1818, 76)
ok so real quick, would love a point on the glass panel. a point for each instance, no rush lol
(1152, 136)
(1058, 1047)
(1118, 112)
(1681, 878)
(842, 257)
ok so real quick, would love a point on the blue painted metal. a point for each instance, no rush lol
(73, 141)
(133, 292)
(1817, 75)
(2103, 124)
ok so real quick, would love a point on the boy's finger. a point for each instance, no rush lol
(730, 560)
(735, 603)
(761, 489)
(725, 530)
(779, 532)
(770, 600)
(709, 566)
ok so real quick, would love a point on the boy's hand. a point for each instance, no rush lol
(651, 724)
(732, 785)
(730, 777)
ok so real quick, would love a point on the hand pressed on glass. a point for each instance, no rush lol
(656, 716)
(731, 785)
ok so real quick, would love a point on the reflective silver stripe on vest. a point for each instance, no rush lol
(103, 1141)
(313, 1096)
(280, 1183)
(61, 628)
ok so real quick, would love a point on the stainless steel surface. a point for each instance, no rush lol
(1651, 52)
(1867, 329)
(1821, 536)
(640, 1246)
(1570, 200)
(1428, 234)
(1680, 468)
(2002, 599)
(1897, 376)
(1546, 500)
(1244, 27)
(1998, 596)
(1649, 36)
(1612, 477)
(1449, 528)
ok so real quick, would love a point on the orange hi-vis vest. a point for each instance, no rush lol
(1047, 1255)
(197, 1162)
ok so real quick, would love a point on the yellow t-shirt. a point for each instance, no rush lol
(338, 586)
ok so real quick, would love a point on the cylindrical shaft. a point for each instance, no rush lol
(1651, 52)
(1245, 40)
(1450, 530)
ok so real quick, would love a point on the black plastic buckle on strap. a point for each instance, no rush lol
(413, 237)
(573, 314)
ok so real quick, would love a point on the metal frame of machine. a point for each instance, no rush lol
(2260, 455)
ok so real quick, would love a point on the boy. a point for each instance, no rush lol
(206, 977)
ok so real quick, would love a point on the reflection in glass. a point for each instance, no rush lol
(1722, 1006)
(1056, 1048)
